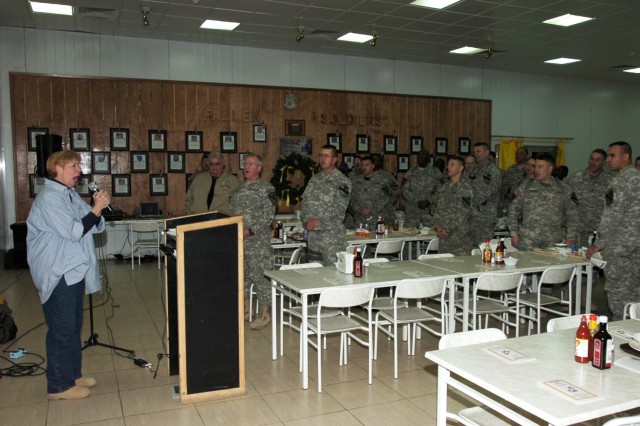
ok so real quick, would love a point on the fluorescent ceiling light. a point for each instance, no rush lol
(562, 61)
(468, 50)
(633, 70)
(434, 4)
(355, 37)
(56, 9)
(567, 20)
(211, 24)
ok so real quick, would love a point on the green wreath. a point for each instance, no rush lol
(290, 177)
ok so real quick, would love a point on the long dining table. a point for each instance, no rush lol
(301, 284)
(533, 378)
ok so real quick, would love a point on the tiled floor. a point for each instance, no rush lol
(130, 395)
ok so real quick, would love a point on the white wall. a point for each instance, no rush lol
(594, 113)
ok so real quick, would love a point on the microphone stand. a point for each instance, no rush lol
(93, 338)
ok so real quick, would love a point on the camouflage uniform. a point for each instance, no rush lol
(589, 194)
(543, 214)
(619, 239)
(256, 202)
(452, 211)
(421, 184)
(327, 198)
(510, 181)
(378, 194)
(486, 191)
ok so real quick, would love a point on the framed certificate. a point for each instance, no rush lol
(121, 185)
(119, 139)
(139, 162)
(158, 185)
(157, 140)
(176, 162)
(101, 163)
(79, 139)
(193, 141)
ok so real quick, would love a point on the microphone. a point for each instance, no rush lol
(93, 187)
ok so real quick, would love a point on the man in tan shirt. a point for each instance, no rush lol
(211, 191)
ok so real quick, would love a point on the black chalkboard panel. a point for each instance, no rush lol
(211, 308)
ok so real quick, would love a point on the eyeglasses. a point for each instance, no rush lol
(325, 156)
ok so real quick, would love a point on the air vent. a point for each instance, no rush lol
(325, 35)
(95, 12)
(622, 67)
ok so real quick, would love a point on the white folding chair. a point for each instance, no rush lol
(390, 248)
(351, 247)
(564, 323)
(433, 246)
(295, 258)
(538, 302)
(632, 311)
(624, 421)
(496, 295)
(417, 289)
(343, 297)
(478, 415)
(148, 229)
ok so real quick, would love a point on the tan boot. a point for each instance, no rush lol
(263, 320)
(86, 382)
(75, 392)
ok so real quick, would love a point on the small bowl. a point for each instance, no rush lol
(510, 261)
(560, 245)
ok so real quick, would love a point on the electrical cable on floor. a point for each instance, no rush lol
(23, 369)
(12, 283)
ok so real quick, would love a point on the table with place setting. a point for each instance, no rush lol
(539, 378)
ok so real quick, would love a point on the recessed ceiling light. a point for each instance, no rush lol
(56, 9)
(467, 50)
(567, 20)
(211, 24)
(633, 70)
(434, 4)
(355, 37)
(562, 61)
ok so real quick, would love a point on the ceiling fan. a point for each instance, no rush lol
(488, 52)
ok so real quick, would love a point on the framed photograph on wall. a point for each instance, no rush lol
(241, 158)
(193, 141)
(294, 127)
(32, 132)
(390, 144)
(139, 162)
(121, 185)
(36, 184)
(79, 139)
(464, 146)
(228, 142)
(101, 163)
(403, 163)
(416, 144)
(259, 133)
(176, 162)
(119, 139)
(82, 187)
(157, 140)
(362, 144)
(335, 140)
(158, 185)
(441, 145)
(348, 160)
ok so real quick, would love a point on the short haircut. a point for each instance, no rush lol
(525, 149)
(482, 144)
(637, 158)
(256, 156)
(625, 147)
(334, 151)
(600, 151)
(456, 158)
(61, 158)
(369, 158)
(216, 154)
(545, 156)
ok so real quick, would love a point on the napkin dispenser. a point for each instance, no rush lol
(345, 262)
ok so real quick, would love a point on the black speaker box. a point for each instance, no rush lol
(45, 146)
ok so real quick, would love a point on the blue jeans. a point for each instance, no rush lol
(63, 313)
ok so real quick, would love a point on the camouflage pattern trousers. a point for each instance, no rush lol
(257, 259)
(622, 284)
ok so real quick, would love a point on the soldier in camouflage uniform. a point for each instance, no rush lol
(373, 195)
(511, 179)
(256, 201)
(618, 236)
(485, 178)
(589, 187)
(418, 190)
(452, 211)
(324, 204)
(544, 212)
